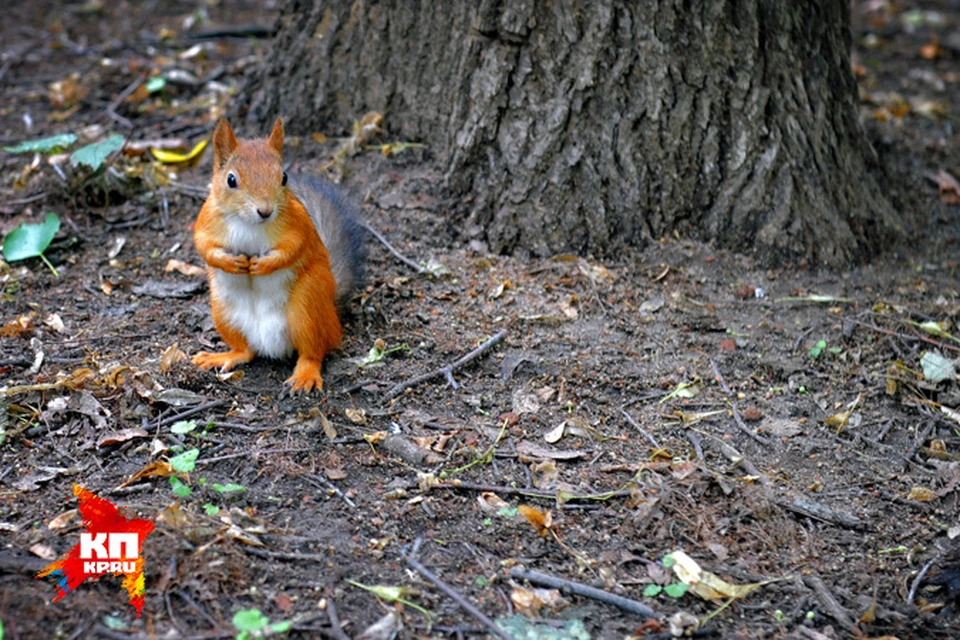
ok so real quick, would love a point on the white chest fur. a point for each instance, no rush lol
(255, 306)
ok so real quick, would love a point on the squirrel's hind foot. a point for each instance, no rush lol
(223, 361)
(306, 377)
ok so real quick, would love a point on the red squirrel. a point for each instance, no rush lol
(281, 252)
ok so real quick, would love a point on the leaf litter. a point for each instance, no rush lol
(602, 336)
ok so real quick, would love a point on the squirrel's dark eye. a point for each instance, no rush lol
(283, 180)
(231, 180)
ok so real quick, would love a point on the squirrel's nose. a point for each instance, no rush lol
(264, 213)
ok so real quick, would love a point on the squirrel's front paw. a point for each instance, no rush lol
(262, 266)
(238, 264)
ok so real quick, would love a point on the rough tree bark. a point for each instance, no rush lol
(563, 126)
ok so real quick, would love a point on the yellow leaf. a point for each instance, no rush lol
(172, 157)
(541, 520)
(921, 494)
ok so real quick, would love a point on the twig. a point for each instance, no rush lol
(919, 580)
(642, 431)
(451, 592)
(123, 95)
(448, 370)
(317, 479)
(253, 452)
(402, 258)
(177, 417)
(719, 377)
(829, 603)
(737, 419)
(286, 555)
(580, 589)
(336, 630)
(820, 512)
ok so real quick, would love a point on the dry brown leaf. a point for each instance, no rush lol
(541, 520)
(54, 322)
(158, 469)
(356, 416)
(948, 186)
(171, 356)
(544, 474)
(64, 520)
(21, 325)
(328, 429)
(122, 436)
(185, 268)
(491, 503)
(43, 551)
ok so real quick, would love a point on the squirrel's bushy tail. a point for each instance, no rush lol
(337, 222)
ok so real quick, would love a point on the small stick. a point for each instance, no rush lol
(829, 603)
(733, 406)
(402, 258)
(580, 589)
(336, 630)
(919, 580)
(643, 432)
(317, 479)
(451, 592)
(286, 555)
(253, 452)
(448, 370)
(177, 417)
(123, 95)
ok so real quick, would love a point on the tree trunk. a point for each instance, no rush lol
(565, 126)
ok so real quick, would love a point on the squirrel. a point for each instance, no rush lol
(282, 253)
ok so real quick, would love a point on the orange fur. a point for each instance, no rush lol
(259, 211)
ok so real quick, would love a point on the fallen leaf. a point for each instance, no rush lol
(707, 585)
(43, 551)
(64, 520)
(948, 186)
(356, 416)
(921, 494)
(185, 268)
(491, 503)
(171, 356)
(541, 520)
(156, 469)
(122, 436)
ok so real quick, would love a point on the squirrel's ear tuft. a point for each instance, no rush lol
(224, 142)
(276, 136)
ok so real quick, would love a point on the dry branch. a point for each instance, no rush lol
(580, 589)
(448, 370)
(411, 559)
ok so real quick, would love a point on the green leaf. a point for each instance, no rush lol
(676, 589)
(180, 489)
(156, 84)
(52, 144)
(186, 461)
(818, 348)
(652, 590)
(227, 488)
(30, 240)
(184, 426)
(94, 155)
(281, 627)
(211, 509)
(250, 620)
(668, 561)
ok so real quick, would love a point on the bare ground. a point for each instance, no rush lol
(649, 403)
